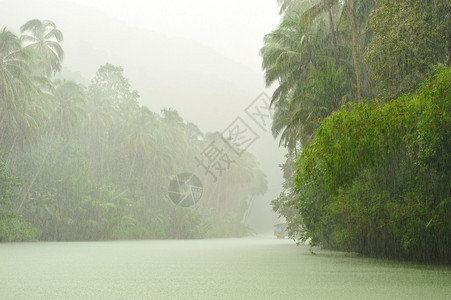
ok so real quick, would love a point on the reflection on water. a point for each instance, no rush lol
(252, 268)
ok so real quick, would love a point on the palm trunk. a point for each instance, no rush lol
(38, 171)
(34, 178)
(334, 40)
(249, 209)
(449, 48)
(12, 157)
(367, 72)
(10, 152)
(12, 164)
(3, 154)
(132, 167)
(2, 120)
(354, 50)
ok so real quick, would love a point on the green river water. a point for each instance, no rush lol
(250, 268)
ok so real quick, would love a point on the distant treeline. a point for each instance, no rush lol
(90, 163)
(363, 106)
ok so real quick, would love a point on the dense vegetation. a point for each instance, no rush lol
(89, 162)
(366, 128)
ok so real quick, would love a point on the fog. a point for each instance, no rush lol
(198, 57)
(258, 149)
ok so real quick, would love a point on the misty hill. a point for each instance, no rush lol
(167, 71)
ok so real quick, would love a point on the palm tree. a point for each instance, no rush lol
(257, 187)
(138, 139)
(21, 98)
(283, 126)
(45, 39)
(286, 5)
(99, 113)
(296, 118)
(316, 10)
(323, 92)
(149, 156)
(293, 55)
(112, 107)
(185, 139)
(96, 127)
(67, 98)
(313, 13)
(144, 139)
(288, 52)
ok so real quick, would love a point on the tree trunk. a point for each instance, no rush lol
(132, 167)
(34, 178)
(11, 152)
(367, 72)
(249, 209)
(334, 40)
(449, 47)
(354, 49)
(38, 171)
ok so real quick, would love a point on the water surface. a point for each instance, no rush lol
(251, 268)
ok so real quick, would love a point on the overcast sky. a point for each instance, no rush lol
(234, 28)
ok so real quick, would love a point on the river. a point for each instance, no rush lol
(249, 268)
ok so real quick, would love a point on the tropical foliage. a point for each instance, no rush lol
(90, 162)
(382, 171)
(368, 164)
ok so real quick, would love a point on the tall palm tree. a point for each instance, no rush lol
(144, 139)
(149, 157)
(67, 98)
(45, 39)
(99, 112)
(290, 4)
(185, 139)
(257, 187)
(316, 10)
(96, 127)
(138, 139)
(323, 92)
(312, 13)
(288, 52)
(21, 98)
(283, 126)
(296, 118)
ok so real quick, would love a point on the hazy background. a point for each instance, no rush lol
(200, 57)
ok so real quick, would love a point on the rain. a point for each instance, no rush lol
(277, 149)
